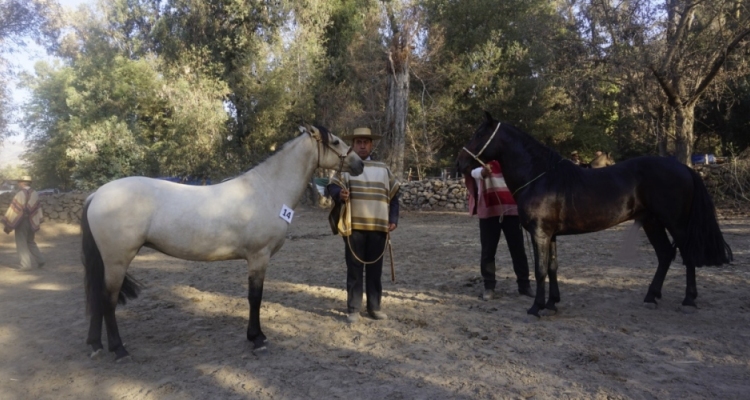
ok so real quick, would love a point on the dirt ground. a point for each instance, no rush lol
(186, 332)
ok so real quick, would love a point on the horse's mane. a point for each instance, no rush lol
(547, 161)
(324, 136)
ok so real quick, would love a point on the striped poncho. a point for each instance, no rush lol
(24, 204)
(369, 194)
(489, 197)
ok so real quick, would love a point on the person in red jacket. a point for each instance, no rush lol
(492, 202)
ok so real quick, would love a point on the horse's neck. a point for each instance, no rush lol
(523, 160)
(284, 176)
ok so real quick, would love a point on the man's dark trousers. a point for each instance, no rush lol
(367, 245)
(489, 235)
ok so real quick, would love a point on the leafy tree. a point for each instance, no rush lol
(21, 21)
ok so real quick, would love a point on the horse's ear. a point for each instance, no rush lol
(488, 116)
(303, 129)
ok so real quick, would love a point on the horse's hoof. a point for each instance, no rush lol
(689, 302)
(548, 312)
(259, 345)
(121, 355)
(96, 354)
(260, 350)
(126, 359)
(688, 309)
(534, 310)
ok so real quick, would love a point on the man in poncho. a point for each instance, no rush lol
(373, 198)
(24, 216)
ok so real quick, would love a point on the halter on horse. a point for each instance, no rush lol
(556, 197)
(236, 219)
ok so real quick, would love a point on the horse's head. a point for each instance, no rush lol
(480, 147)
(602, 160)
(333, 153)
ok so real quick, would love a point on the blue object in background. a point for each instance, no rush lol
(703, 159)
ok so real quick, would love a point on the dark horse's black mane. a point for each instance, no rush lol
(545, 159)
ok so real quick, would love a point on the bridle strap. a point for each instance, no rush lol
(341, 157)
(476, 156)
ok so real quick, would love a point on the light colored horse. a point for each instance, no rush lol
(236, 219)
(602, 160)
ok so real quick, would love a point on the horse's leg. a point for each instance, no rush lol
(691, 290)
(665, 253)
(95, 331)
(116, 273)
(257, 273)
(541, 264)
(114, 342)
(554, 289)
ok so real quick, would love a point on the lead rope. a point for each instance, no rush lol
(387, 240)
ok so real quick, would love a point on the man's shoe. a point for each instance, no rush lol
(378, 315)
(352, 317)
(526, 291)
(489, 294)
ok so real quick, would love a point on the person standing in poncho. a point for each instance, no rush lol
(25, 216)
(373, 198)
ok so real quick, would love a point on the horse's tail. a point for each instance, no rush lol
(705, 243)
(96, 292)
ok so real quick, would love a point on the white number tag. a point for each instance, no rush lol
(286, 214)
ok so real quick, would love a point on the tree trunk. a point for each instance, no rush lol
(396, 114)
(685, 118)
(398, 92)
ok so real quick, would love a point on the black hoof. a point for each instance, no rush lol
(549, 310)
(96, 354)
(534, 310)
(121, 355)
(259, 343)
(689, 301)
(526, 291)
(651, 305)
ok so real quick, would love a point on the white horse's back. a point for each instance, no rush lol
(201, 223)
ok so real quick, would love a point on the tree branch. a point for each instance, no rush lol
(718, 62)
(665, 86)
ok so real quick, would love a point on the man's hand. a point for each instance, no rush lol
(344, 195)
(7, 229)
(391, 227)
(486, 172)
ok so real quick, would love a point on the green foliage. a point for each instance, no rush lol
(208, 88)
(12, 172)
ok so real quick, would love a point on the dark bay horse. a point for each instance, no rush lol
(556, 197)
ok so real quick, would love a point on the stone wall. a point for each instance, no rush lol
(434, 194)
(722, 181)
(64, 207)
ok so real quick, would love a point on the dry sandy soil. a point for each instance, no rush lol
(186, 332)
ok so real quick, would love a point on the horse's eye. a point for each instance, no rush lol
(336, 142)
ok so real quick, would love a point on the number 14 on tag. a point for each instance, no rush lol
(286, 214)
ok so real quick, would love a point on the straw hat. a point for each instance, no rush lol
(361, 133)
(25, 178)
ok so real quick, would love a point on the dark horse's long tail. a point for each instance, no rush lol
(705, 244)
(96, 291)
